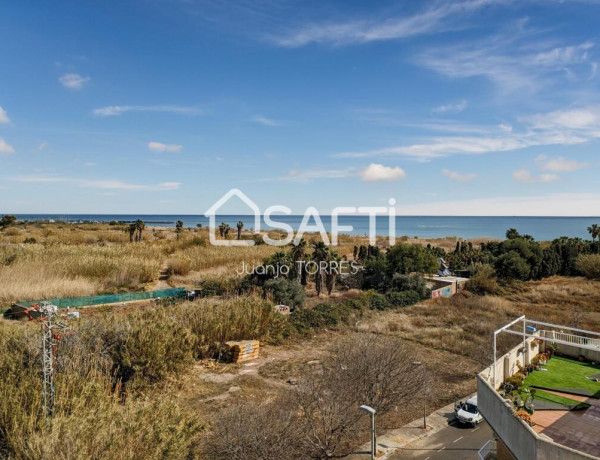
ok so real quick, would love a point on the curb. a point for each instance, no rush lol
(390, 441)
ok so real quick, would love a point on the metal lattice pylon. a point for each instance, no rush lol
(48, 313)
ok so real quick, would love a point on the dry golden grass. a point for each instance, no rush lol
(35, 271)
(86, 259)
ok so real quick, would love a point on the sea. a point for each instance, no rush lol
(541, 228)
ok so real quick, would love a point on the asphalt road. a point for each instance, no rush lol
(456, 441)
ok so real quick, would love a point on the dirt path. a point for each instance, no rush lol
(163, 276)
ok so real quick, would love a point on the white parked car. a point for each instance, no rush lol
(468, 412)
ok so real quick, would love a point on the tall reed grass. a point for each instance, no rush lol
(59, 270)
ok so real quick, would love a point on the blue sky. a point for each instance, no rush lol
(472, 107)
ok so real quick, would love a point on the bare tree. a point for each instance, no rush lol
(320, 418)
(379, 371)
(255, 432)
(578, 316)
(328, 422)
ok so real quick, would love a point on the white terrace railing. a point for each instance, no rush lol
(570, 339)
(532, 329)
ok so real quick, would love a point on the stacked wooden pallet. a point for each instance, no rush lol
(244, 350)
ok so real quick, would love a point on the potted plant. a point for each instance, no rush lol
(551, 349)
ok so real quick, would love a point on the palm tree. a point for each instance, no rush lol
(178, 228)
(320, 254)
(7, 220)
(594, 231)
(298, 252)
(279, 259)
(512, 233)
(222, 229)
(240, 225)
(331, 275)
(139, 226)
(131, 230)
(226, 231)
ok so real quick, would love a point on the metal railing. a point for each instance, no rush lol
(488, 451)
(571, 339)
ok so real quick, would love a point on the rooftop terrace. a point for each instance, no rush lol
(550, 407)
(565, 383)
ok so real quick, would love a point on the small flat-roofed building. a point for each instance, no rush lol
(445, 286)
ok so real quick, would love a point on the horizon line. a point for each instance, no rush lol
(300, 215)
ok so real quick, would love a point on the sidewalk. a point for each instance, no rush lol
(388, 442)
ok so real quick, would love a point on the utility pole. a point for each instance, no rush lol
(49, 340)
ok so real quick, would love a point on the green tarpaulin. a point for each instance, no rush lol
(77, 302)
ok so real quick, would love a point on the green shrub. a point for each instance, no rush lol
(404, 298)
(415, 283)
(516, 380)
(410, 258)
(379, 302)
(483, 281)
(145, 347)
(358, 304)
(512, 266)
(589, 265)
(285, 291)
(321, 316)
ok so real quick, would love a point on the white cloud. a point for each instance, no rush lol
(459, 177)
(523, 175)
(376, 172)
(103, 184)
(537, 130)
(442, 147)
(266, 121)
(42, 146)
(5, 148)
(160, 147)
(115, 110)
(451, 108)
(73, 80)
(3, 116)
(373, 172)
(559, 164)
(513, 60)
(435, 19)
(580, 118)
(296, 175)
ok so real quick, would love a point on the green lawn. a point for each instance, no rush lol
(541, 395)
(564, 373)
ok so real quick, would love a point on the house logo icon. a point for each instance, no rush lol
(212, 213)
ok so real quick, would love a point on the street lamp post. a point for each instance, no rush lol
(371, 412)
